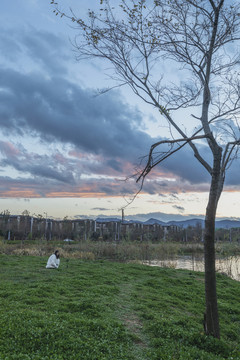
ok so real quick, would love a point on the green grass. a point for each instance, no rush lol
(99, 310)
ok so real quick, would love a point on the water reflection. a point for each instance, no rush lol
(229, 266)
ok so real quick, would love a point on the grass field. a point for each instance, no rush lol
(99, 310)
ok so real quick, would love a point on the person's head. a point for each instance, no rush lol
(57, 254)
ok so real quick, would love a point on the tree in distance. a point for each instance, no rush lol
(200, 38)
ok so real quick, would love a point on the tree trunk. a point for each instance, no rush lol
(211, 320)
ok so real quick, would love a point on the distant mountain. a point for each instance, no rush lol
(183, 223)
(108, 219)
(187, 223)
(134, 222)
(227, 224)
(154, 221)
(220, 224)
(114, 219)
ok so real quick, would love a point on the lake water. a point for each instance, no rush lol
(229, 266)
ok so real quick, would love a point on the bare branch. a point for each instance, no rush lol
(151, 163)
(231, 146)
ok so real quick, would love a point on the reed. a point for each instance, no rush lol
(114, 250)
(121, 251)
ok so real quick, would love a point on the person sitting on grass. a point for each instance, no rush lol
(53, 261)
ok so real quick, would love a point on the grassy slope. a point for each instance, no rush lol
(110, 311)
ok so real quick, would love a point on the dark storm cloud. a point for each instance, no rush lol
(232, 176)
(59, 110)
(56, 109)
(115, 165)
(184, 164)
(42, 101)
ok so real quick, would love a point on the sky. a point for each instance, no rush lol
(66, 150)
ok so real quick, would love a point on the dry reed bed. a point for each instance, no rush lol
(120, 251)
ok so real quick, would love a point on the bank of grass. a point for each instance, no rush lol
(100, 310)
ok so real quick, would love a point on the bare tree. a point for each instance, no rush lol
(200, 38)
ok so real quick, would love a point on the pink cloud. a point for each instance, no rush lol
(8, 149)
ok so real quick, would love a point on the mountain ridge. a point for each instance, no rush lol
(220, 224)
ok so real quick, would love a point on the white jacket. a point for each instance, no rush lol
(53, 262)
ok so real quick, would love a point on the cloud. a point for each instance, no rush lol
(34, 164)
(179, 208)
(38, 98)
(58, 110)
(101, 209)
(232, 175)
(62, 178)
(29, 49)
(103, 134)
(184, 164)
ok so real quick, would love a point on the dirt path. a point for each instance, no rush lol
(130, 319)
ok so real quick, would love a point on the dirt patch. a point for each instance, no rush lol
(131, 320)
